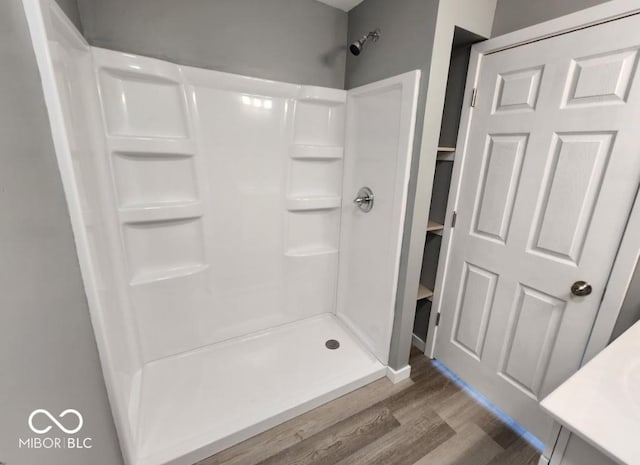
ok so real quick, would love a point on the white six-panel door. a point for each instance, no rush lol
(549, 175)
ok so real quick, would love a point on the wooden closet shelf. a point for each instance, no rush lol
(424, 292)
(434, 227)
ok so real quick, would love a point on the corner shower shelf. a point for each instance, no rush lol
(424, 292)
(316, 152)
(311, 252)
(313, 203)
(153, 276)
(322, 95)
(161, 212)
(446, 153)
(151, 146)
(435, 228)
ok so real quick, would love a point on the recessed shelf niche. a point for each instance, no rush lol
(445, 159)
(126, 104)
(312, 232)
(319, 124)
(315, 178)
(150, 179)
(162, 249)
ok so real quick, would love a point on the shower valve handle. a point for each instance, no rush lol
(364, 199)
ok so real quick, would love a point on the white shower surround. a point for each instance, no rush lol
(221, 213)
(212, 218)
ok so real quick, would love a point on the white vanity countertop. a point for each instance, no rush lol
(601, 402)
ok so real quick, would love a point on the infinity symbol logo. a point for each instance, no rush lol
(55, 421)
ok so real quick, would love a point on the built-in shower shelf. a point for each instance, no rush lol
(316, 152)
(313, 203)
(435, 228)
(322, 95)
(151, 146)
(446, 153)
(311, 252)
(424, 293)
(161, 212)
(153, 276)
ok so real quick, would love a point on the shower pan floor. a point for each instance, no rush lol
(198, 403)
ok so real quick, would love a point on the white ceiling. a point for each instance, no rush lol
(345, 5)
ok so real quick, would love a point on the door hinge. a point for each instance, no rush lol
(453, 219)
(437, 319)
(474, 95)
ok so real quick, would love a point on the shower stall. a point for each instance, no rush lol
(233, 282)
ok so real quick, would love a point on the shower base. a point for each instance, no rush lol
(199, 403)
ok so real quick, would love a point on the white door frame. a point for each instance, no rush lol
(629, 250)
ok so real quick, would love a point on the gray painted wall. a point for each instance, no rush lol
(407, 27)
(301, 41)
(48, 357)
(512, 15)
(70, 7)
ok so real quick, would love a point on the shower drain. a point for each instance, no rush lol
(332, 344)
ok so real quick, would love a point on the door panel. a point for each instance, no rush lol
(499, 184)
(530, 339)
(601, 79)
(518, 90)
(571, 188)
(476, 298)
(549, 174)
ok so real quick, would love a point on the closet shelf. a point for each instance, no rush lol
(446, 153)
(424, 293)
(312, 203)
(316, 152)
(435, 228)
(418, 342)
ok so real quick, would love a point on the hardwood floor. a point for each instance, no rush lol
(426, 420)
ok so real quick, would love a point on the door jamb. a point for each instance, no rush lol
(629, 249)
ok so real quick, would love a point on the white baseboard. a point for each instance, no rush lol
(419, 343)
(395, 376)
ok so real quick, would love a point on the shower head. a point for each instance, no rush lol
(356, 47)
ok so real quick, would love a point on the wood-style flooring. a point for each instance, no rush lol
(426, 420)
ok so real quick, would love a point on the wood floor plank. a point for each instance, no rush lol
(406, 444)
(470, 446)
(496, 429)
(519, 453)
(281, 437)
(457, 409)
(461, 409)
(341, 440)
(430, 391)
